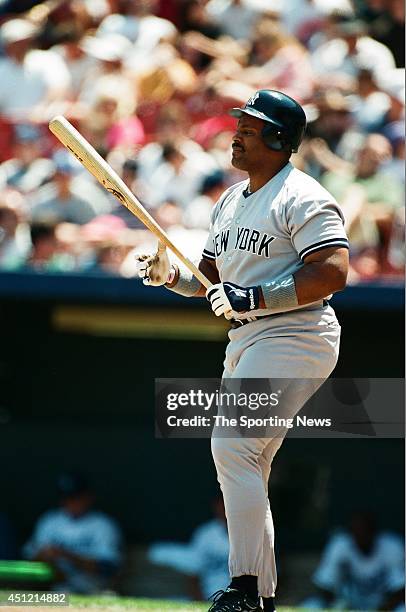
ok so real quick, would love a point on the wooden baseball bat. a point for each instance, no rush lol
(104, 173)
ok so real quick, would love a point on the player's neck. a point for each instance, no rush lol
(259, 177)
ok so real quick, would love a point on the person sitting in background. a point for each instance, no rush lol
(28, 169)
(46, 253)
(68, 197)
(235, 17)
(83, 545)
(370, 199)
(103, 236)
(204, 559)
(338, 61)
(135, 19)
(371, 104)
(361, 569)
(129, 172)
(15, 240)
(31, 80)
(282, 62)
(198, 213)
(179, 174)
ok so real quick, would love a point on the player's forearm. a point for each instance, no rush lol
(209, 270)
(323, 273)
(318, 279)
(312, 283)
(84, 563)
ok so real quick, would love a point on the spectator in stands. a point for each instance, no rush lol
(78, 61)
(31, 80)
(28, 169)
(110, 121)
(172, 125)
(46, 254)
(334, 123)
(131, 177)
(103, 235)
(387, 25)
(383, 193)
(179, 174)
(15, 242)
(369, 197)
(236, 17)
(283, 63)
(371, 104)
(68, 197)
(11, 7)
(361, 569)
(142, 85)
(109, 74)
(395, 167)
(337, 62)
(83, 544)
(136, 21)
(60, 19)
(196, 18)
(198, 213)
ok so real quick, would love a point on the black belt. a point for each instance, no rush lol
(236, 323)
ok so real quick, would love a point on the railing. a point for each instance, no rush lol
(387, 295)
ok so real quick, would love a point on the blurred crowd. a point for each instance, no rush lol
(149, 84)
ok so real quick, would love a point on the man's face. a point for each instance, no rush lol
(19, 48)
(375, 151)
(27, 151)
(78, 504)
(249, 150)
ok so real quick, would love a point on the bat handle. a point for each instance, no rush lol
(161, 248)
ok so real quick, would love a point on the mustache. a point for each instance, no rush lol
(237, 146)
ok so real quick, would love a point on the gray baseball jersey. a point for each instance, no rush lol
(264, 236)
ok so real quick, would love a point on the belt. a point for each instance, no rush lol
(236, 323)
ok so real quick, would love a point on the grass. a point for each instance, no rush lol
(139, 605)
(123, 604)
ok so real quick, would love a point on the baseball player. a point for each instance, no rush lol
(276, 251)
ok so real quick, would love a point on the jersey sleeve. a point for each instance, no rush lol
(328, 574)
(105, 541)
(316, 224)
(45, 534)
(394, 553)
(209, 251)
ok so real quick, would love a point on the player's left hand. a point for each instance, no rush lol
(226, 297)
(154, 269)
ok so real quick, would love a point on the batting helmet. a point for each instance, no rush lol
(285, 116)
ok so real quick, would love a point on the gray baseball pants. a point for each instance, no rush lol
(298, 345)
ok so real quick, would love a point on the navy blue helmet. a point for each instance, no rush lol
(285, 118)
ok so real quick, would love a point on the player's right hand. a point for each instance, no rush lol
(154, 269)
